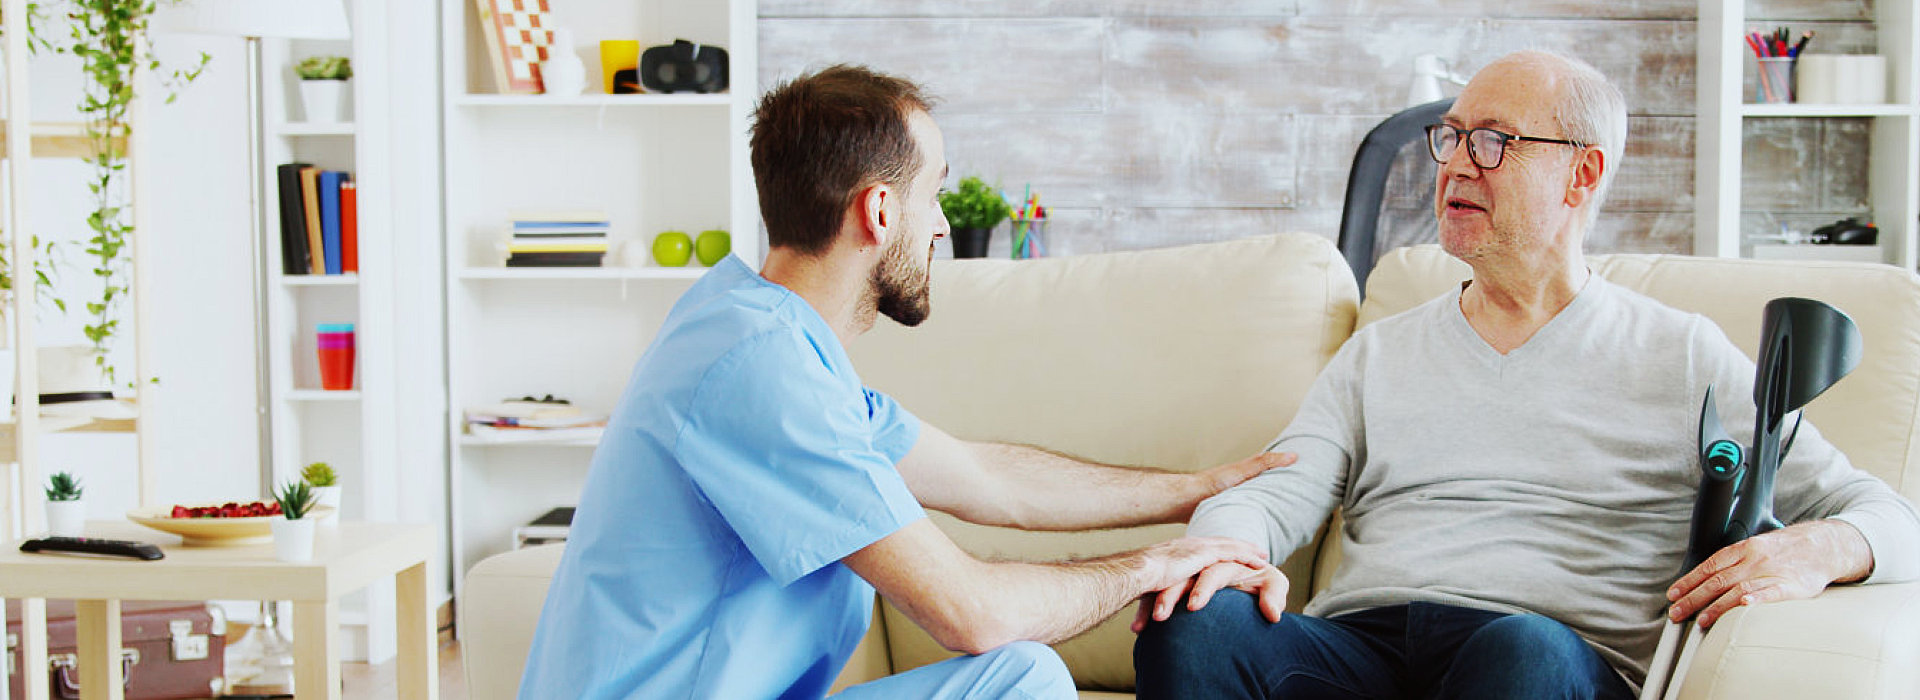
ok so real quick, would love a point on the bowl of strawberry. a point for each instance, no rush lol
(229, 524)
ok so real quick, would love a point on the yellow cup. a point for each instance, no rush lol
(617, 55)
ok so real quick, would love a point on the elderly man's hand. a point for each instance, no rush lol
(1265, 583)
(1787, 564)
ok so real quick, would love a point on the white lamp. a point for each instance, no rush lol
(255, 20)
(1428, 71)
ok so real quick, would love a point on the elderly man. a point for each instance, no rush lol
(750, 495)
(1515, 459)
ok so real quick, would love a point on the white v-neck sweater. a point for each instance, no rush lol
(1557, 479)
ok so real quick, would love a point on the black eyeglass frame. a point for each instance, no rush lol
(1465, 136)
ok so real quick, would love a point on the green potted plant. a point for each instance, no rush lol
(323, 81)
(972, 212)
(326, 484)
(66, 513)
(293, 530)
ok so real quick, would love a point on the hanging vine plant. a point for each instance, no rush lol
(109, 38)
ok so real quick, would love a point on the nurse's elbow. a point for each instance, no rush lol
(975, 637)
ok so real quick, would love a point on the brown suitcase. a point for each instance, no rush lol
(170, 649)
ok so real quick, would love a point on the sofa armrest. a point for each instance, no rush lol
(872, 660)
(1849, 642)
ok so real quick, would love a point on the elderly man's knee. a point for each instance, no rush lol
(1536, 638)
(1031, 668)
(1189, 639)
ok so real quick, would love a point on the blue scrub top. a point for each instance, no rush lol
(744, 461)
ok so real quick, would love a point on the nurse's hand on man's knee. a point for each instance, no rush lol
(1266, 583)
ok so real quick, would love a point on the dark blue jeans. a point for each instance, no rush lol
(1420, 650)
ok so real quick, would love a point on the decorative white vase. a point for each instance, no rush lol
(563, 74)
(67, 518)
(320, 100)
(293, 539)
(328, 496)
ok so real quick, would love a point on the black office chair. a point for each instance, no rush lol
(1389, 200)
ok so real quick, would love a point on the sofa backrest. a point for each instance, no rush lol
(1181, 358)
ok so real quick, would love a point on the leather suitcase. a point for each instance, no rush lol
(170, 649)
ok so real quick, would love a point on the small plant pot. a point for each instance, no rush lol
(293, 539)
(971, 242)
(320, 100)
(67, 518)
(328, 496)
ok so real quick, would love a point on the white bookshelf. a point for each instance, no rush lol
(651, 162)
(352, 430)
(1725, 64)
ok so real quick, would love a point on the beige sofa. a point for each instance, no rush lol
(1190, 357)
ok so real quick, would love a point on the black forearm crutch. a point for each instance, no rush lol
(1805, 347)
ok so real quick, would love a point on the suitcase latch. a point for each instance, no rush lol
(187, 646)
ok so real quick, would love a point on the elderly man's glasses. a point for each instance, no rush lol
(1485, 146)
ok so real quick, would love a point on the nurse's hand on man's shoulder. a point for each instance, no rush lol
(1265, 582)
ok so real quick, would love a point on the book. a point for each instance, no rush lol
(548, 247)
(526, 410)
(519, 242)
(349, 225)
(330, 218)
(293, 221)
(555, 259)
(492, 434)
(561, 216)
(521, 225)
(310, 206)
(560, 231)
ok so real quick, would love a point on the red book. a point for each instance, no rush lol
(349, 226)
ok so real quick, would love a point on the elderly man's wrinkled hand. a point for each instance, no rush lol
(1788, 564)
(1266, 583)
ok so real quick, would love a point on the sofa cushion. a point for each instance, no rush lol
(1181, 358)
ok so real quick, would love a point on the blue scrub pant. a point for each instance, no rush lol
(1021, 670)
(1420, 650)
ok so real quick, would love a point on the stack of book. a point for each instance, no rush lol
(546, 529)
(534, 420)
(572, 239)
(319, 221)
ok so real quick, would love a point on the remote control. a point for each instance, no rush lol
(90, 545)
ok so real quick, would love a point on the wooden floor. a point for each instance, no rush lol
(382, 681)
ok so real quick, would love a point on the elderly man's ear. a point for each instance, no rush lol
(1586, 176)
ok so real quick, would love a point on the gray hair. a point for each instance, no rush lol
(1590, 110)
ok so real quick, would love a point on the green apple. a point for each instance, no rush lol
(712, 246)
(672, 248)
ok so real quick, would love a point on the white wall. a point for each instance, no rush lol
(200, 288)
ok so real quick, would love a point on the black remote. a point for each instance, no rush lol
(90, 545)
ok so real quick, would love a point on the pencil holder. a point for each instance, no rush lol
(1027, 241)
(1776, 81)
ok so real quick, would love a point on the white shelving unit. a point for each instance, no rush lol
(1894, 167)
(651, 162)
(353, 431)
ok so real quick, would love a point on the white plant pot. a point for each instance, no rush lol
(67, 518)
(320, 99)
(328, 496)
(293, 539)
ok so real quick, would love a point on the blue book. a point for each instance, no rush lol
(330, 218)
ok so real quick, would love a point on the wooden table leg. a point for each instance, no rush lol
(316, 653)
(99, 652)
(33, 643)
(419, 649)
